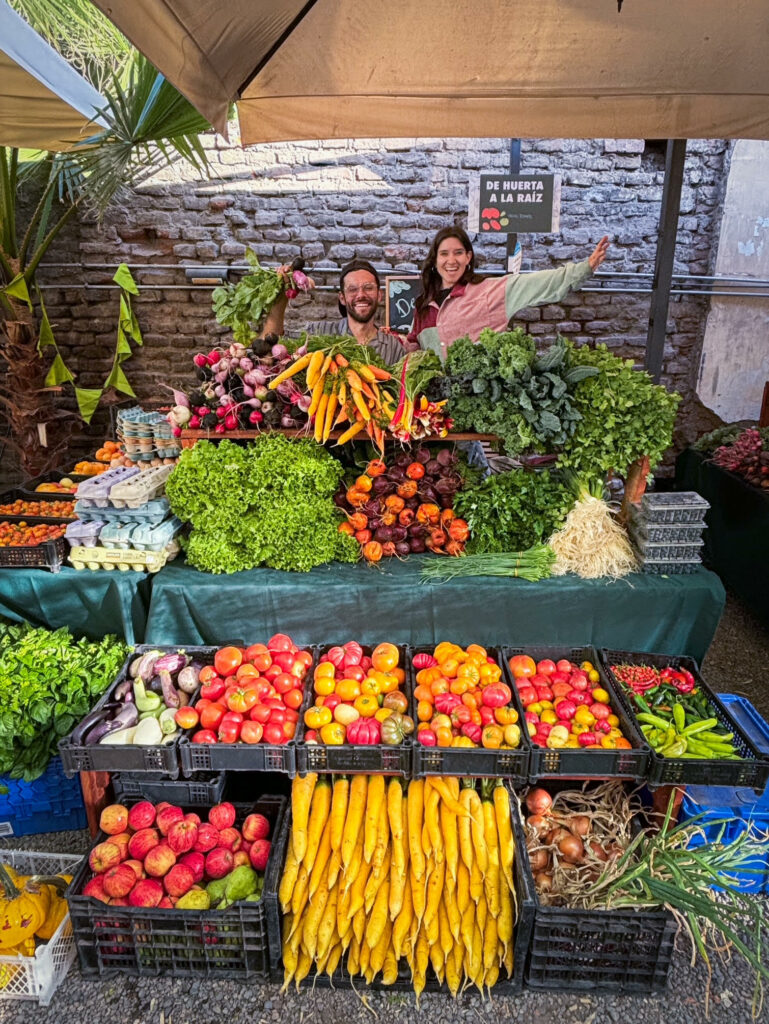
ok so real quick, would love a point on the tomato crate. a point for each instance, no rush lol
(51, 554)
(51, 803)
(589, 761)
(341, 979)
(37, 977)
(348, 758)
(148, 942)
(752, 771)
(200, 790)
(479, 761)
(43, 498)
(236, 757)
(617, 950)
(78, 756)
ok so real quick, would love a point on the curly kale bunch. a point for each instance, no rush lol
(269, 503)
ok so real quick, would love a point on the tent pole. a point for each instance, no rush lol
(515, 168)
(666, 246)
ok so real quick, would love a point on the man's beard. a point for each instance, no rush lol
(359, 317)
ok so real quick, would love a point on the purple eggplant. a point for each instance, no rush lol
(127, 717)
(188, 678)
(143, 667)
(170, 694)
(172, 663)
(124, 691)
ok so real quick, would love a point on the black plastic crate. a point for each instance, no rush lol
(51, 554)
(584, 762)
(200, 790)
(525, 897)
(752, 772)
(369, 759)
(617, 950)
(236, 757)
(10, 496)
(110, 757)
(27, 488)
(225, 944)
(477, 762)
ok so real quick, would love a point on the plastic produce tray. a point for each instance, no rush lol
(152, 512)
(596, 950)
(752, 772)
(128, 757)
(51, 554)
(51, 803)
(140, 488)
(124, 559)
(663, 567)
(670, 551)
(584, 762)
(95, 491)
(477, 762)
(662, 533)
(686, 507)
(348, 757)
(200, 790)
(16, 493)
(37, 977)
(28, 486)
(525, 897)
(223, 944)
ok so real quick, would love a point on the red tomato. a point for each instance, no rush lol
(332, 700)
(280, 642)
(311, 736)
(273, 701)
(292, 715)
(284, 682)
(273, 733)
(285, 659)
(228, 660)
(564, 665)
(247, 672)
(262, 661)
(298, 670)
(260, 713)
(202, 702)
(214, 689)
(289, 730)
(271, 672)
(254, 650)
(293, 699)
(211, 715)
(233, 716)
(522, 665)
(204, 736)
(207, 673)
(304, 657)
(278, 715)
(229, 732)
(355, 672)
(546, 667)
(251, 732)
(241, 699)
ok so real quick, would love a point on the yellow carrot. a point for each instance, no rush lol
(339, 801)
(402, 923)
(326, 363)
(351, 432)
(320, 417)
(450, 838)
(317, 394)
(380, 950)
(360, 405)
(383, 839)
(446, 938)
(415, 807)
(375, 882)
(301, 795)
(505, 834)
(330, 414)
(377, 922)
(292, 369)
(492, 877)
(313, 368)
(302, 968)
(333, 958)
(288, 878)
(434, 891)
(321, 859)
(432, 802)
(327, 927)
(354, 380)
(463, 827)
(321, 805)
(356, 810)
(374, 799)
(477, 831)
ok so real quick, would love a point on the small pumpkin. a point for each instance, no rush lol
(24, 906)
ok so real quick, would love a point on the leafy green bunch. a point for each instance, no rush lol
(513, 511)
(499, 385)
(269, 503)
(48, 681)
(243, 306)
(624, 415)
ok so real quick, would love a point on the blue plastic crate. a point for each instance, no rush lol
(746, 715)
(52, 803)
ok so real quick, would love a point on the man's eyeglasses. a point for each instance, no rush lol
(366, 289)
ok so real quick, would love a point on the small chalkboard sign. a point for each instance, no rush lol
(400, 295)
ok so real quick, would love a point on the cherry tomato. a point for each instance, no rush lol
(251, 732)
(228, 660)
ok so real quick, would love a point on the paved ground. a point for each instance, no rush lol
(737, 662)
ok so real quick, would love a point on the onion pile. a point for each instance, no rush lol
(233, 392)
(570, 838)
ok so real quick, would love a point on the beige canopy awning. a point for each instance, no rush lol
(44, 102)
(505, 68)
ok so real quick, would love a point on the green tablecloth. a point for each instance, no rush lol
(674, 615)
(90, 603)
(737, 537)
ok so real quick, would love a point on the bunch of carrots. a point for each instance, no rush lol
(384, 874)
(345, 389)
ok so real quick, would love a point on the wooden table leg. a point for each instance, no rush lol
(96, 796)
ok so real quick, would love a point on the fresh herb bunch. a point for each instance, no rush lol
(243, 306)
(624, 415)
(500, 386)
(513, 511)
(48, 681)
(272, 506)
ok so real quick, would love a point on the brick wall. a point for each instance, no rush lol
(381, 200)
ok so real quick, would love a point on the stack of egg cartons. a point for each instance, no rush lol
(124, 521)
(665, 529)
(147, 437)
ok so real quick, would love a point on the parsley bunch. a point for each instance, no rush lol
(243, 306)
(48, 681)
(269, 503)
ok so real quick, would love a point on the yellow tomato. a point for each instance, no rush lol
(557, 737)
(546, 705)
(613, 720)
(608, 742)
(444, 650)
(325, 671)
(584, 716)
(477, 651)
(513, 735)
(549, 716)
(333, 735)
(441, 722)
(371, 685)
(600, 695)
(348, 689)
(462, 741)
(324, 685)
(366, 705)
(382, 714)
(315, 718)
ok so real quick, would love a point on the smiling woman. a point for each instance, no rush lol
(455, 301)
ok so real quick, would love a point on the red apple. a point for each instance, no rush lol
(159, 860)
(179, 880)
(146, 893)
(138, 868)
(219, 862)
(193, 819)
(114, 819)
(118, 901)
(141, 842)
(104, 856)
(121, 840)
(119, 881)
(230, 838)
(196, 862)
(94, 888)
(182, 836)
(207, 838)
(222, 816)
(141, 815)
(168, 817)
(260, 853)
(240, 857)
(256, 826)
(166, 903)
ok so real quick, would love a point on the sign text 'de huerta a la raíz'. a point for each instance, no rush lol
(511, 203)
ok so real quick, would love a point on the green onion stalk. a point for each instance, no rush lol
(534, 564)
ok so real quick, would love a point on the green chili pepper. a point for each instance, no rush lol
(679, 717)
(701, 726)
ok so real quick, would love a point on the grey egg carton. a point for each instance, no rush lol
(662, 533)
(84, 533)
(153, 512)
(140, 536)
(673, 507)
(663, 568)
(140, 488)
(96, 492)
(675, 552)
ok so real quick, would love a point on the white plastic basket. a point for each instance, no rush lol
(37, 977)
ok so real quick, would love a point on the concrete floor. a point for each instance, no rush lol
(738, 659)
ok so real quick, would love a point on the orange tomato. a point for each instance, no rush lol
(293, 699)
(333, 734)
(424, 711)
(505, 716)
(325, 669)
(384, 657)
(315, 718)
(450, 668)
(324, 685)
(444, 735)
(440, 685)
(366, 705)
(623, 744)
(469, 670)
(423, 693)
(348, 689)
(492, 737)
(460, 685)
(476, 649)
(400, 675)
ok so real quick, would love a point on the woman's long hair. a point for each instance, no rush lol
(431, 279)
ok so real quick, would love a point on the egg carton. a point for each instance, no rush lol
(673, 507)
(122, 560)
(152, 512)
(96, 492)
(140, 536)
(84, 533)
(141, 488)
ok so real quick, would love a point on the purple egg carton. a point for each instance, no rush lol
(96, 492)
(84, 535)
